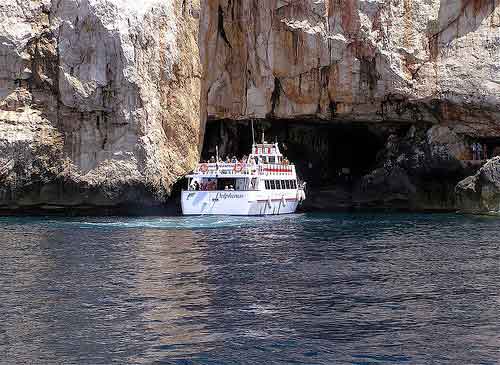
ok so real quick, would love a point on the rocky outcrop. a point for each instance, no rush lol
(481, 193)
(354, 60)
(418, 170)
(424, 74)
(415, 170)
(99, 101)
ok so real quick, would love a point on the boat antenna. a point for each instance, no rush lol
(216, 160)
(263, 139)
(253, 133)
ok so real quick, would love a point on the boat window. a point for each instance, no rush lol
(272, 184)
(294, 184)
(240, 184)
(229, 184)
(268, 186)
(271, 159)
(287, 184)
(283, 186)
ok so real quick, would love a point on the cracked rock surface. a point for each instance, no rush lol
(99, 101)
(434, 61)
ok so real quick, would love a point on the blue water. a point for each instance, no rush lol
(309, 289)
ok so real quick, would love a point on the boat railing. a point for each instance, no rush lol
(277, 169)
(225, 168)
(242, 168)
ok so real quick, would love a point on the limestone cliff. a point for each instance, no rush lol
(99, 101)
(422, 76)
(353, 60)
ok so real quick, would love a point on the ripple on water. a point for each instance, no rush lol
(305, 288)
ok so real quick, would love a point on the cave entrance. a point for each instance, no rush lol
(325, 154)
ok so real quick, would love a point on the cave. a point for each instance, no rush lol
(326, 154)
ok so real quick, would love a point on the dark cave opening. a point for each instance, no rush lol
(326, 154)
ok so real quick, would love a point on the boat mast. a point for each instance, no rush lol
(217, 160)
(253, 134)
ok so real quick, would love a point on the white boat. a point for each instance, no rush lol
(263, 184)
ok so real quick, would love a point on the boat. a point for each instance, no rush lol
(265, 183)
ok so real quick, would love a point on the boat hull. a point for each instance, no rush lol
(239, 202)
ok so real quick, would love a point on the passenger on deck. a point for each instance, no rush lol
(474, 151)
(231, 187)
(228, 160)
(226, 187)
(234, 160)
(212, 159)
(479, 151)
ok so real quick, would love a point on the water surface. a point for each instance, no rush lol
(310, 288)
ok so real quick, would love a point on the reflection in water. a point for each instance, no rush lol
(172, 288)
(305, 288)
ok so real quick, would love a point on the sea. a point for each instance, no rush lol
(343, 288)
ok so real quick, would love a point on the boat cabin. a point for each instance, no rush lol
(265, 169)
(222, 183)
(267, 153)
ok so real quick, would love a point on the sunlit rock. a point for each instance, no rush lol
(423, 76)
(99, 101)
(371, 60)
(481, 193)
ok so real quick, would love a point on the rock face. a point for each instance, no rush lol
(99, 101)
(423, 74)
(354, 60)
(417, 170)
(481, 193)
